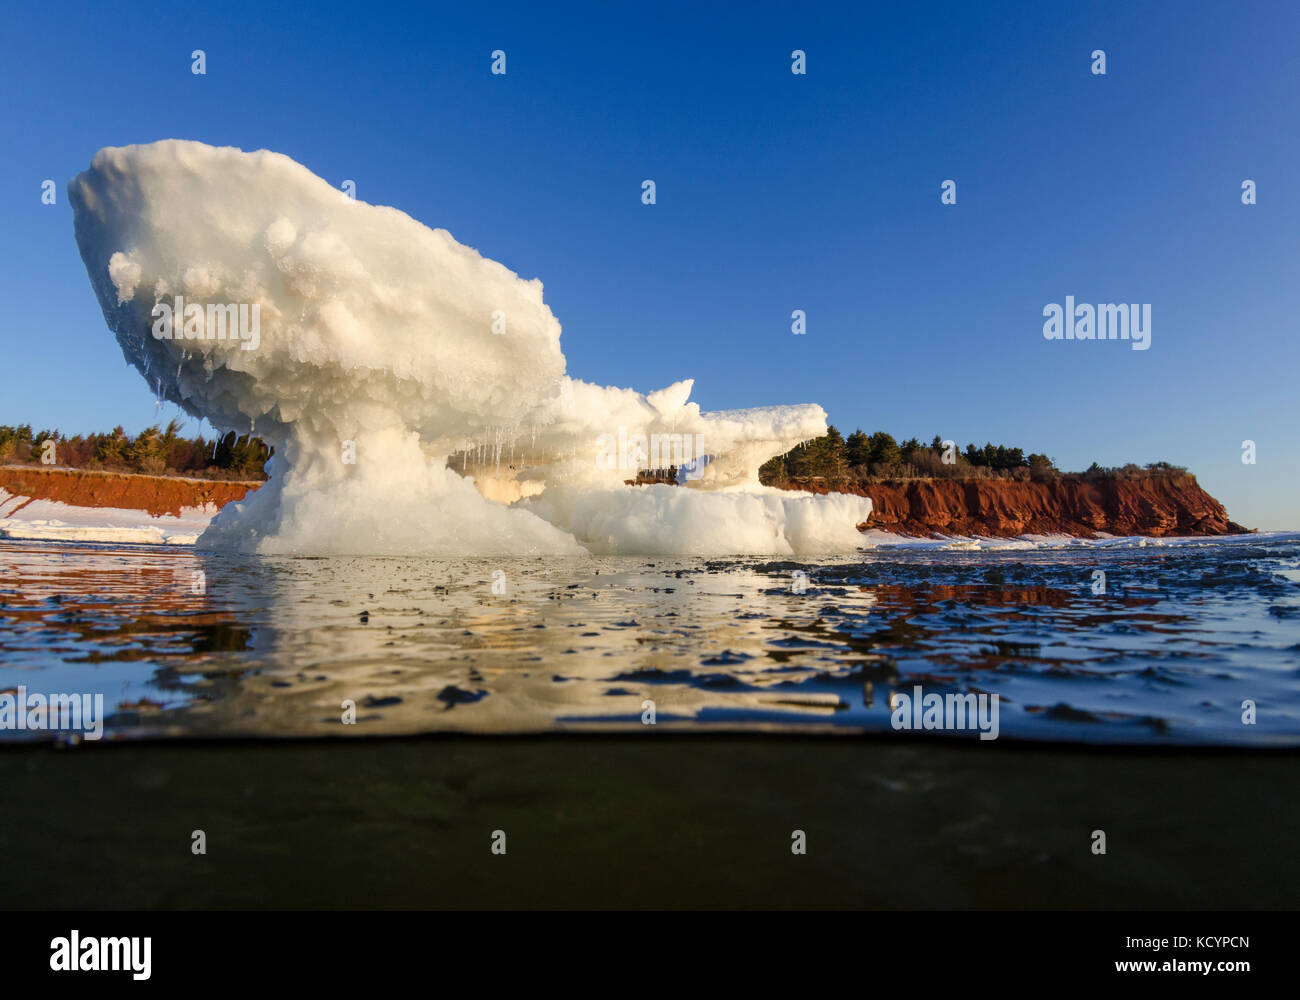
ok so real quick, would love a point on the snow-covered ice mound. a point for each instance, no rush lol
(413, 390)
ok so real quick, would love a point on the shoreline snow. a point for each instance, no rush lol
(22, 518)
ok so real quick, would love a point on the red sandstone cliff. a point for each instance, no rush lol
(86, 488)
(1149, 505)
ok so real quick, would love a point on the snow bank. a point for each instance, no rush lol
(414, 391)
(52, 520)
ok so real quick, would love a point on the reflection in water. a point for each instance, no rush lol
(186, 644)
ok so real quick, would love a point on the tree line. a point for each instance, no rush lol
(154, 451)
(876, 457)
(858, 458)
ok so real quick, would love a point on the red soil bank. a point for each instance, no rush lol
(85, 488)
(1152, 505)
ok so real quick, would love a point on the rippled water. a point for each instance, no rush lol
(1184, 634)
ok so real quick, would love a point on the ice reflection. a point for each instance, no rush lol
(193, 644)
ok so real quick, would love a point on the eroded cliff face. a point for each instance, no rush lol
(1154, 505)
(155, 494)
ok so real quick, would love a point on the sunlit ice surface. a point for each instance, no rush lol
(413, 391)
(186, 644)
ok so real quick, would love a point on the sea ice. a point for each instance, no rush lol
(414, 391)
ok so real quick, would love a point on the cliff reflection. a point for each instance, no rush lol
(195, 644)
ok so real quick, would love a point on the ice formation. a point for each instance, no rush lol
(414, 391)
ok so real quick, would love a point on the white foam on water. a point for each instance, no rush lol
(438, 369)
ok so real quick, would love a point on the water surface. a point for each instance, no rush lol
(191, 644)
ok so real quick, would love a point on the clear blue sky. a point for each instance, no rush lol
(775, 192)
